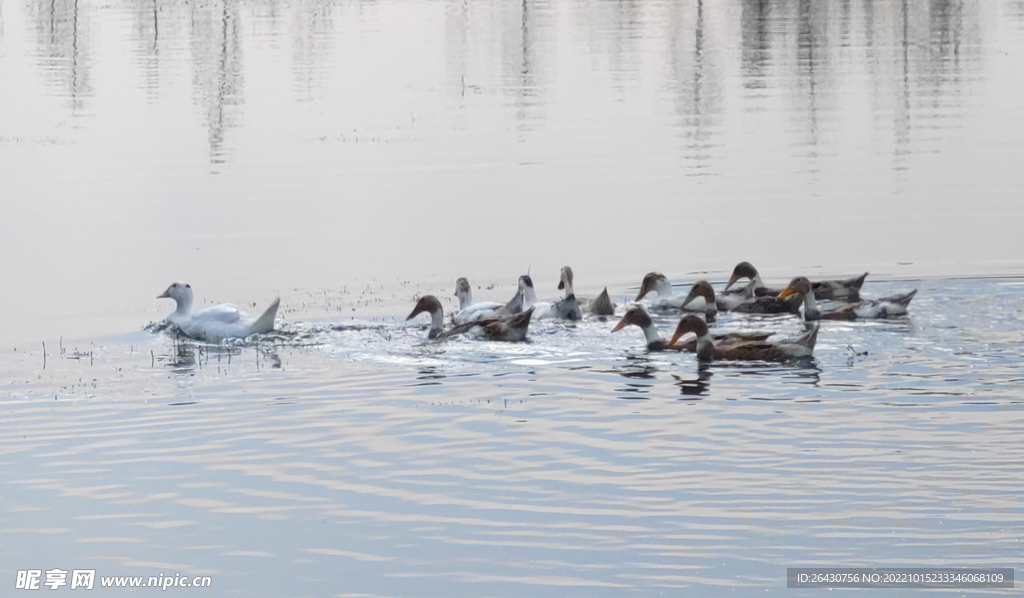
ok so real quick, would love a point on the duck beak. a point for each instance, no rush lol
(644, 289)
(622, 324)
(414, 313)
(732, 281)
(561, 285)
(787, 292)
(676, 337)
(163, 295)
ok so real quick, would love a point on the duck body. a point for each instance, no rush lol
(894, 305)
(752, 350)
(217, 323)
(768, 305)
(511, 328)
(470, 311)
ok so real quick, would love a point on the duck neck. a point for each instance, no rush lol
(436, 323)
(184, 306)
(710, 307)
(465, 299)
(529, 297)
(568, 289)
(757, 283)
(705, 347)
(651, 333)
(811, 311)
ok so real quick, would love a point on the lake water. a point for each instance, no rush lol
(348, 156)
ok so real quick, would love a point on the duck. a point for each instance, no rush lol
(524, 298)
(510, 328)
(602, 305)
(894, 305)
(702, 298)
(566, 308)
(469, 311)
(707, 351)
(658, 283)
(216, 323)
(846, 290)
(637, 316)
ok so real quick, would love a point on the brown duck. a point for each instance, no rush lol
(706, 349)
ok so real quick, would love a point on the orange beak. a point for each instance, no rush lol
(787, 292)
(732, 281)
(622, 324)
(678, 335)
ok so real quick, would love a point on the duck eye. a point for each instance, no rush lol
(188, 286)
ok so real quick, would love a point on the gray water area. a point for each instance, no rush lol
(366, 462)
(350, 156)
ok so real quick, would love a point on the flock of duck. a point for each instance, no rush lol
(700, 306)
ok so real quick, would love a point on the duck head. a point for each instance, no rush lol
(527, 290)
(702, 288)
(429, 304)
(634, 316)
(638, 316)
(798, 286)
(801, 289)
(742, 270)
(464, 292)
(654, 281)
(182, 294)
(690, 323)
(565, 282)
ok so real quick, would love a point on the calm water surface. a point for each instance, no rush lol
(348, 156)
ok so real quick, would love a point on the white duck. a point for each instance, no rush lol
(566, 308)
(469, 311)
(216, 323)
(666, 298)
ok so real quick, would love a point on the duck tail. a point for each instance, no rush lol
(856, 283)
(904, 299)
(810, 338)
(521, 319)
(603, 305)
(265, 323)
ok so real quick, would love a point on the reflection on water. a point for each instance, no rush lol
(218, 76)
(919, 56)
(63, 34)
